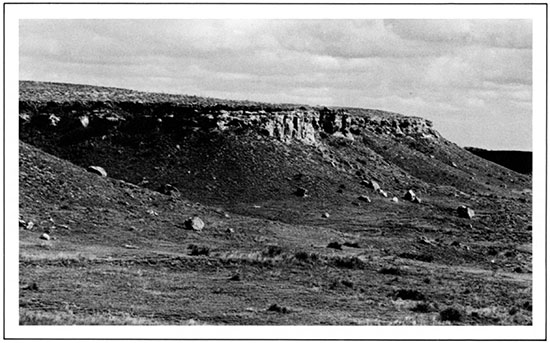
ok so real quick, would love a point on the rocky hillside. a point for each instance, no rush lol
(227, 150)
(303, 207)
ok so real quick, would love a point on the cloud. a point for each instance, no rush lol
(502, 33)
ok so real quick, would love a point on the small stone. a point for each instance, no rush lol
(45, 236)
(194, 223)
(301, 192)
(153, 213)
(230, 230)
(465, 212)
(371, 184)
(97, 170)
(364, 198)
(410, 196)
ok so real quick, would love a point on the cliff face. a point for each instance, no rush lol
(290, 125)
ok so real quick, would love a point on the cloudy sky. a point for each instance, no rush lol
(472, 78)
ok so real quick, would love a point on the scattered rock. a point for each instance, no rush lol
(465, 212)
(194, 223)
(364, 198)
(301, 192)
(425, 240)
(371, 184)
(153, 213)
(97, 170)
(383, 193)
(410, 196)
(45, 236)
(32, 287)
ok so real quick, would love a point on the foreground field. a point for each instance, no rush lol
(120, 255)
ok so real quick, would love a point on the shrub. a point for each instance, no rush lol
(273, 250)
(348, 262)
(424, 307)
(335, 245)
(450, 314)
(409, 294)
(418, 257)
(196, 250)
(391, 271)
(277, 308)
(306, 257)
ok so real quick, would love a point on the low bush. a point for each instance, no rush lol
(195, 250)
(348, 262)
(391, 271)
(409, 294)
(450, 314)
(273, 250)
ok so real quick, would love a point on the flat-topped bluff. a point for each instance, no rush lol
(68, 107)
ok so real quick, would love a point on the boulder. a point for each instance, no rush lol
(395, 200)
(97, 170)
(45, 236)
(410, 196)
(364, 198)
(168, 189)
(301, 192)
(465, 212)
(371, 184)
(326, 215)
(194, 223)
(382, 193)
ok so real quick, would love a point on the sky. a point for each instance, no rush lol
(472, 78)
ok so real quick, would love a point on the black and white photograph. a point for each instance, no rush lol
(255, 171)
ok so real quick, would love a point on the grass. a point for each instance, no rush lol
(29, 317)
